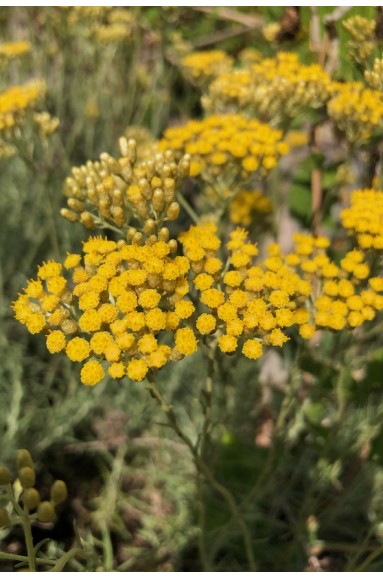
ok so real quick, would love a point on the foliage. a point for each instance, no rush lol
(217, 274)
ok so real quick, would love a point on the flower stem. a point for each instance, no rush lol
(204, 469)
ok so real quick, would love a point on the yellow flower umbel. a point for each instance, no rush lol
(111, 307)
(356, 110)
(122, 192)
(16, 102)
(244, 305)
(274, 89)
(364, 218)
(10, 51)
(246, 205)
(202, 67)
(345, 296)
(362, 32)
(226, 150)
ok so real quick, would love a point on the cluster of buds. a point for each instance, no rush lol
(374, 77)
(202, 67)
(362, 32)
(22, 492)
(273, 89)
(135, 197)
(46, 124)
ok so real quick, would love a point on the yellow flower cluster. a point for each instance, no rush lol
(374, 77)
(202, 67)
(346, 296)
(244, 303)
(362, 32)
(123, 191)
(119, 301)
(9, 51)
(356, 110)
(274, 89)
(364, 218)
(246, 205)
(226, 149)
(16, 101)
(46, 123)
(104, 24)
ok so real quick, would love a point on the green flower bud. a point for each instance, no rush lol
(46, 512)
(24, 459)
(5, 476)
(27, 477)
(59, 492)
(31, 498)
(4, 518)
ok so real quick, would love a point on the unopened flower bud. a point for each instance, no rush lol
(5, 476)
(164, 234)
(149, 226)
(59, 492)
(24, 459)
(69, 326)
(87, 220)
(173, 211)
(158, 200)
(76, 205)
(69, 215)
(46, 512)
(123, 144)
(172, 244)
(31, 498)
(27, 477)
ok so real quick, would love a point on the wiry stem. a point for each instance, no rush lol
(203, 468)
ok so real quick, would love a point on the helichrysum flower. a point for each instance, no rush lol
(110, 308)
(356, 110)
(201, 67)
(273, 89)
(226, 146)
(246, 205)
(16, 102)
(364, 218)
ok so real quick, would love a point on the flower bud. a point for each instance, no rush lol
(158, 200)
(69, 215)
(31, 498)
(87, 220)
(27, 477)
(46, 512)
(164, 234)
(5, 476)
(173, 211)
(4, 518)
(172, 244)
(69, 326)
(59, 492)
(24, 459)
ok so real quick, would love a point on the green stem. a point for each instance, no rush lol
(188, 208)
(203, 468)
(63, 561)
(18, 558)
(29, 540)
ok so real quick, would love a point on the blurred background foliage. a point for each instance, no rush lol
(313, 495)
